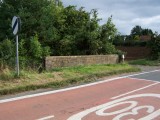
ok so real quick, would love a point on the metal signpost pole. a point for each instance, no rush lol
(17, 56)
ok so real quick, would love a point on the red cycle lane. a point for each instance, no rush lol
(117, 99)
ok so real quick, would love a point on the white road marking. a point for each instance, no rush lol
(151, 116)
(134, 110)
(72, 88)
(102, 112)
(134, 90)
(144, 80)
(46, 118)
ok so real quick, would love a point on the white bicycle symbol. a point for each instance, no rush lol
(132, 109)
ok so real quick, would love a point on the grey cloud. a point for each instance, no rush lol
(126, 13)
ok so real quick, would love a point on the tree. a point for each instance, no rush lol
(155, 46)
(137, 30)
(108, 33)
(7, 11)
(55, 29)
(147, 32)
(31, 13)
(119, 39)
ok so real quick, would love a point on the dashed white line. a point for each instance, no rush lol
(135, 90)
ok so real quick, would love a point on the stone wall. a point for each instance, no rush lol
(66, 61)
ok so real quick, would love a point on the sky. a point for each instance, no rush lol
(126, 13)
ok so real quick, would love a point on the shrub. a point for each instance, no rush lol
(155, 48)
(7, 53)
(108, 48)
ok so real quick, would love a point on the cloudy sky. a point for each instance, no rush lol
(126, 13)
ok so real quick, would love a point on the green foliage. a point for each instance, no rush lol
(46, 51)
(6, 49)
(35, 47)
(155, 47)
(108, 31)
(6, 53)
(145, 62)
(108, 48)
(134, 39)
(137, 30)
(62, 77)
(65, 46)
(147, 32)
(49, 28)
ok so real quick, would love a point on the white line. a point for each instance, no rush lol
(134, 90)
(46, 118)
(144, 80)
(72, 88)
(151, 116)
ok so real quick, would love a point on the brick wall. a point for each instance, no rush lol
(135, 52)
(66, 61)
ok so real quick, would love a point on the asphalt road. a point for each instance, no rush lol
(123, 98)
(155, 76)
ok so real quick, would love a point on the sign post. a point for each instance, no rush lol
(16, 22)
(17, 56)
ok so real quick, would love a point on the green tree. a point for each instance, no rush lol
(119, 39)
(36, 52)
(108, 33)
(155, 46)
(59, 30)
(31, 12)
(147, 32)
(108, 30)
(35, 47)
(137, 30)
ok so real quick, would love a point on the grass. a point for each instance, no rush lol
(58, 77)
(145, 62)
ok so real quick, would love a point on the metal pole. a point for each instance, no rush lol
(17, 56)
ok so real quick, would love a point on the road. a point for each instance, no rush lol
(134, 97)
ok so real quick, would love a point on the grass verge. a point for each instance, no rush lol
(145, 62)
(59, 77)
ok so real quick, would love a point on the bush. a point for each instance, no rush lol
(7, 53)
(35, 48)
(155, 47)
(31, 54)
(108, 48)
(37, 53)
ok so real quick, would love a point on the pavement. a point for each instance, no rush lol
(131, 97)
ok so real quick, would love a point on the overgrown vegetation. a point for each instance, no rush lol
(49, 28)
(138, 37)
(155, 47)
(146, 62)
(59, 77)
